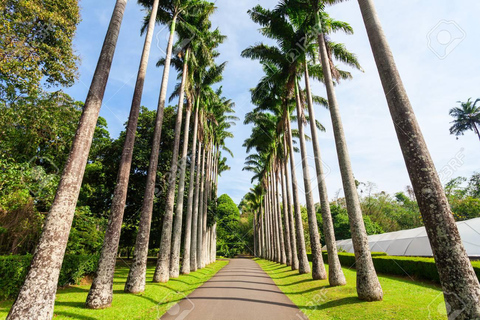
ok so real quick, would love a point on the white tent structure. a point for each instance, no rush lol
(414, 242)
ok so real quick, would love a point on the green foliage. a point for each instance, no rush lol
(13, 270)
(36, 45)
(341, 223)
(232, 230)
(86, 235)
(464, 201)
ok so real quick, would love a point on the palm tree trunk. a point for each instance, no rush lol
(288, 248)
(318, 267)
(136, 277)
(37, 294)
(273, 202)
(262, 231)
(283, 256)
(200, 211)
(203, 251)
(335, 273)
(191, 188)
(293, 237)
(193, 249)
(303, 265)
(368, 286)
(177, 227)
(459, 283)
(267, 224)
(162, 271)
(101, 292)
(255, 238)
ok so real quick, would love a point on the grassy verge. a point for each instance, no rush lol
(403, 298)
(154, 302)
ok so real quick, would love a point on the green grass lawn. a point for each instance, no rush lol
(403, 299)
(154, 302)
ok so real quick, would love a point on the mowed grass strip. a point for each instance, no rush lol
(154, 302)
(404, 298)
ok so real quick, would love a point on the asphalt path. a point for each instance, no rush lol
(240, 290)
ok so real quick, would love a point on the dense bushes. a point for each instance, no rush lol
(416, 267)
(13, 270)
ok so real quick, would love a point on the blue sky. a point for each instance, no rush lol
(435, 44)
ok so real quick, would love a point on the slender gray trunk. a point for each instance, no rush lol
(368, 286)
(136, 277)
(177, 227)
(303, 265)
(101, 291)
(283, 256)
(203, 248)
(191, 188)
(288, 248)
(293, 237)
(318, 267)
(335, 272)
(273, 203)
(193, 249)
(200, 211)
(459, 283)
(37, 294)
(262, 232)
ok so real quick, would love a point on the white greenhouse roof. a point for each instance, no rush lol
(414, 242)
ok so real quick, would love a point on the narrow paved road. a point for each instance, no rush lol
(241, 290)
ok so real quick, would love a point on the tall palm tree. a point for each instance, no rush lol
(466, 118)
(37, 294)
(206, 41)
(335, 273)
(169, 11)
(368, 286)
(101, 291)
(288, 36)
(459, 282)
(162, 271)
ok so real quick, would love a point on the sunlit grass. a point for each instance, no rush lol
(403, 298)
(155, 301)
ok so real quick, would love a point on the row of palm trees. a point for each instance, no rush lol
(193, 55)
(304, 49)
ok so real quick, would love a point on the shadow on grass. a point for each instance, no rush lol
(335, 303)
(73, 315)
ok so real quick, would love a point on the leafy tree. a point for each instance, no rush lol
(36, 45)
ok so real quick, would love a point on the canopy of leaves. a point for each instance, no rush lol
(36, 45)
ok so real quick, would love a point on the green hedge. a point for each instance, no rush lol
(13, 270)
(417, 267)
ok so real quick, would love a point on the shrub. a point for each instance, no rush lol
(417, 267)
(13, 270)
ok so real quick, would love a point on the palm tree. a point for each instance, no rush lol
(466, 118)
(164, 264)
(288, 36)
(368, 286)
(459, 282)
(169, 11)
(37, 294)
(207, 40)
(318, 267)
(101, 291)
(335, 273)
